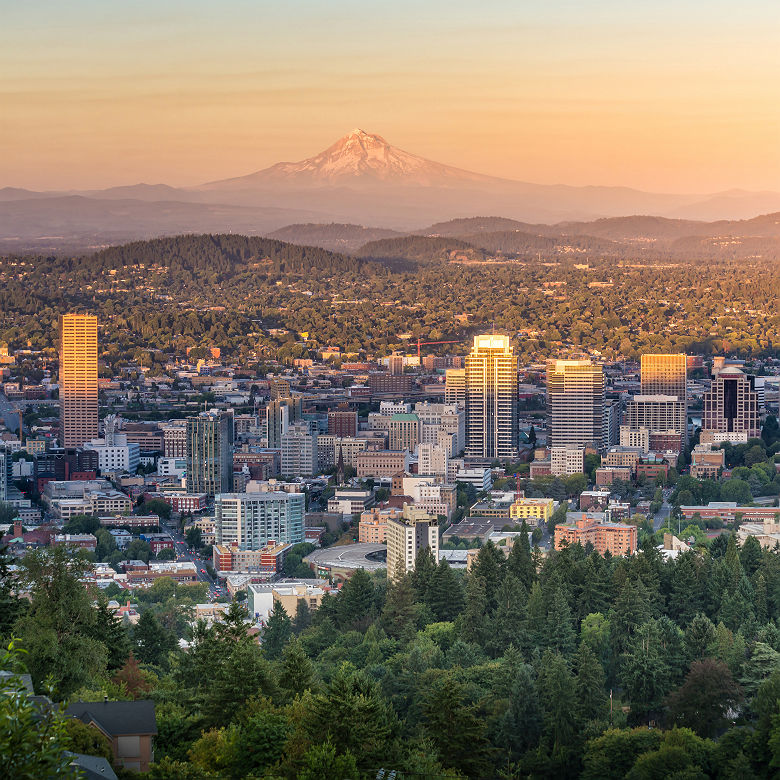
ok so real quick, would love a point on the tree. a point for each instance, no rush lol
(194, 537)
(556, 693)
(57, 631)
(321, 761)
(354, 716)
(399, 612)
(297, 673)
(611, 756)
(445, 593)
(456, 729)
(589, 685)
(705, 698)
(11, 606)
(110, 631)
(138, 550)
(166, 554)
(152, 640)
(33, 739)
(277, 631)
(736, 490)
(83, 738)
(156, 506)
(356, 600)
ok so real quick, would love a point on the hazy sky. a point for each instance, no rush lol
(658, 94)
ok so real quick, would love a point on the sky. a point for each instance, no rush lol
(658, 95)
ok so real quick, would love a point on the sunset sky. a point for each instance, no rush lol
(666, 96)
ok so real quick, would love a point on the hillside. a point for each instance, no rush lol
(420, 250)
(334, 236)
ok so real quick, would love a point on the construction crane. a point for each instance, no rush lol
(425, 343)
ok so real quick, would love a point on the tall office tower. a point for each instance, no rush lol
(491, 398)
(210, 453)
(658, 414)
(665, 375)
(414, 530)
(404, 432)
(280, 414)
(396, 364)
(575, 404)
(455, 386)
(299, 451)
(78, 379)
(731, 405)
(252, 520)
(280, 388)
(3, 477)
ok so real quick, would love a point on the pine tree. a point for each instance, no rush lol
(560, 634)
(699, 638)
(302, 619)
(152, 640)
(297, 672)
(556, 692)
(109, 630)
(356, 601)
(11, 605)
(589, 678)
(760, 599)
(276, 632)
(685, 599)
(536, 609)
(520, 563)
(489, 566)
(457, 730)
(473, 620)
(520, 726)
(399, 612)
(424, 569)
(751, 555)
(445, 593)
(507, 626)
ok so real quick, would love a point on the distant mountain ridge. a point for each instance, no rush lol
(362, 180)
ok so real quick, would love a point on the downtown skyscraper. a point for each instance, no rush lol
(491, 398)
(575, 404)
(78, 379)
(210, 453)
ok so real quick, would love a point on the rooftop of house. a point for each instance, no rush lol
(116, 718)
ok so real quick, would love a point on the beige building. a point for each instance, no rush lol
(455, 386)
(565, 461)
(665, 375)
(78, 379)
(706, 463)
(290, 595)
(575, 404)
(413, 531)
(382, 463)
(731, 404)
(404, 432)
(491, 398)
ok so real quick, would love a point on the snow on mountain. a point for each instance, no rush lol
(358, 158)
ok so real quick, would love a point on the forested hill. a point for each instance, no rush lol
(420, 249)
(218, 253)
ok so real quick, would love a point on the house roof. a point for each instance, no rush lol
(116, 718)
(92, 767)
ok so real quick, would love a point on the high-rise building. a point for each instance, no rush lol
(455, 386)
(210, 453)
(174, 438)
(657, 414)
(252, 520)
(491, 398)
(342, 422)
(299, 451)
(575, 404)
(731, 405)
(280, 414)
(78, 379)
(665, 375)
(404, 432)
(406, 535)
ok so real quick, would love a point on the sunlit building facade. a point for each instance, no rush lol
(78, 379)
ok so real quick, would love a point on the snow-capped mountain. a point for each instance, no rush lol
(359, 158)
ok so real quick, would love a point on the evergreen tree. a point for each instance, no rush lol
(356, 601)
(520, 563)
(556, 692)
(520, 725)
(302, 619)
(685, 598)
(152, 640)
(560, 632)
(489, 566)
(760, 599)
(699, 638)
(321, 761)
(737, 606)
(424, 569)
(297, 672)
(445, 593)
(473, 620)
(590, 697)
(644, 673)
(276, 632)
(456, 729)
(750, 555)
(596, 593)
(399, 612)
(11, 606)
(110, 631)
(507, 626)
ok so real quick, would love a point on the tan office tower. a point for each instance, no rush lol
(575, 404)
(665, 375)
(731, 406)
(78, 379)
(668, 375)
(455, 386)
(491, 398)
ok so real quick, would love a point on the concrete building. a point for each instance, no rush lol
(665, 374)
(330, 447)
(342, 423)
(174, 438)
(114, 451)
(252, 520)
(373, 524)
(731, 404)
(78, 379)
(658, 414)
(350, 501)
(575, 404)
(432, 459)
(706, 463)
(413, 531)
(455, 386)
(210, 453)
(280, 413)
(382, 463)
(299, 451)
(481, 479)
(615, 538)
(404, 432)
(565, 461)
(534, 511)
(491, 398)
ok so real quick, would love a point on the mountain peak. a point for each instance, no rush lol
(358, 159)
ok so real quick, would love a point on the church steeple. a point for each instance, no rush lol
(340, 467)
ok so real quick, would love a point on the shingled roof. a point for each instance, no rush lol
(116, 718)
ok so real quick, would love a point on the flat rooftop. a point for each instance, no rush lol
(351, 556)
